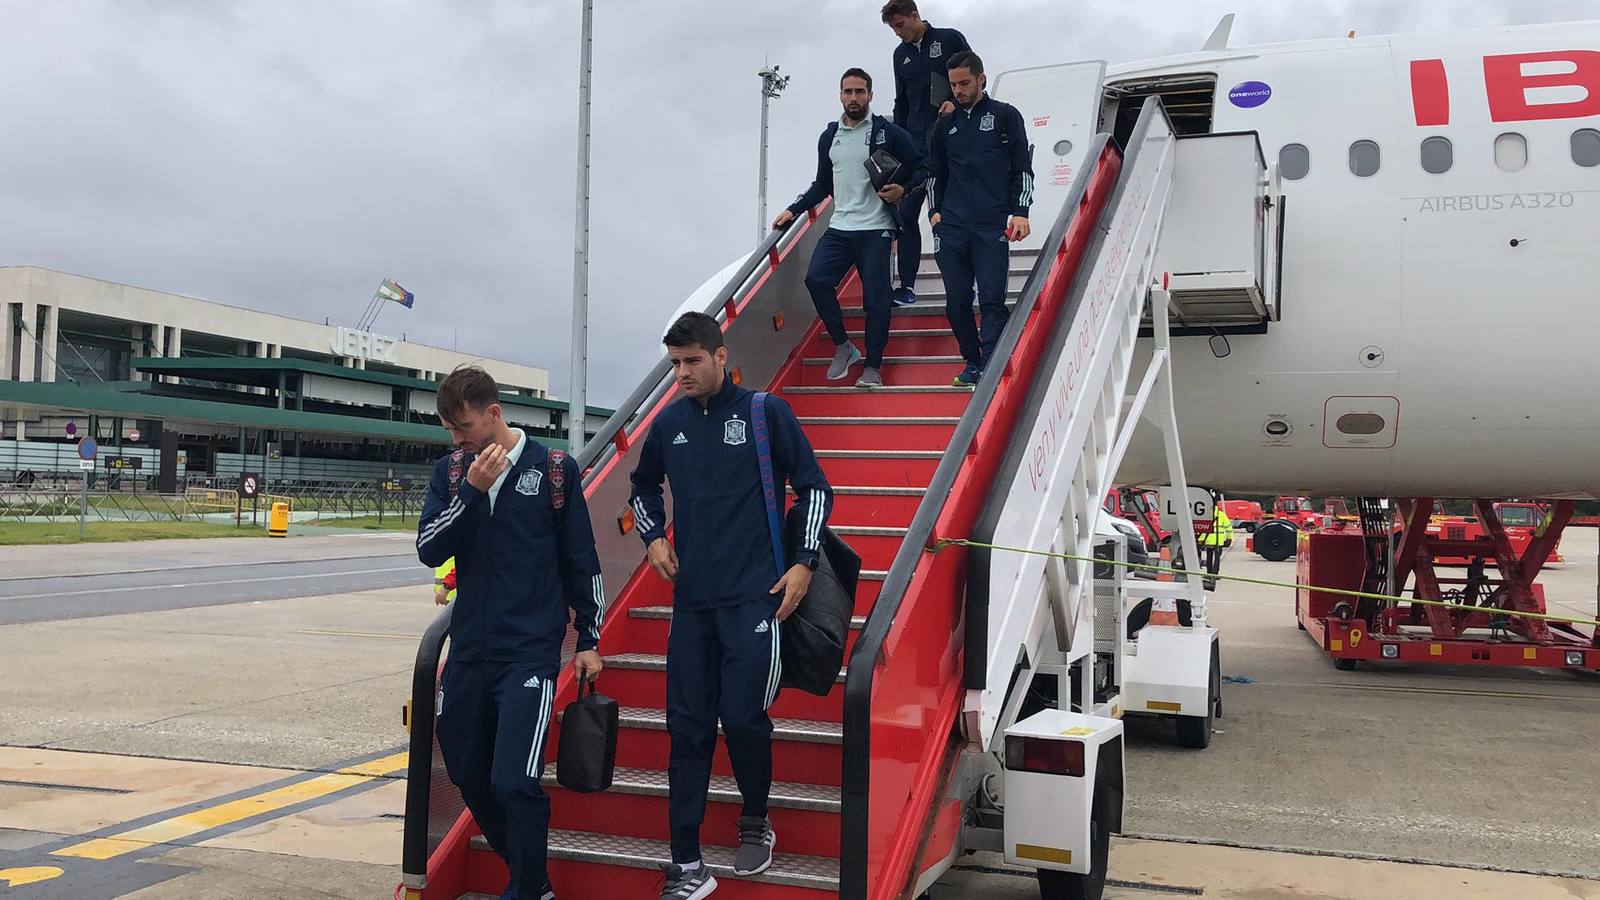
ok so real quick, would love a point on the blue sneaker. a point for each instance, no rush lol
(904, 296)
(968, 377)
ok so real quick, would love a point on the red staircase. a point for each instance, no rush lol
(881, 450)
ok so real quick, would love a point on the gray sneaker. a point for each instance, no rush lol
(683, 885)
(869, 378)
(756, 840)
(846, 356)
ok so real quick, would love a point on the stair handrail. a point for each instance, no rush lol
(612, 438)
(414, 850)
(1078, 209)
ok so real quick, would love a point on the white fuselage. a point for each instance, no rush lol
(1464, 304)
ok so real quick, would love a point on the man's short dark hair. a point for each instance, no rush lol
(468, 387)
(694, 329)
(968, 60)
(899, 8)
(854, 72)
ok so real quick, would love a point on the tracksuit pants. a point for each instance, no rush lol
(722, 664)
(909, 243)
(868, 251)
(974, 255)
(492, 722)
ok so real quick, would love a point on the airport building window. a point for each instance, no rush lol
(1294, 161)
(1364, 158)
(1586, 147)
(1511, 152)
(1437, 155)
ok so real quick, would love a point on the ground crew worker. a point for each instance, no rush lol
(512, 514)
(1213, 542)
(921, 96)
(982, 174)
(729, 597)
(863, 224)
(444, 582)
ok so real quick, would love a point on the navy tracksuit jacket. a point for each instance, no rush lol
(982, 175)
(868, 251)
(916, 68)
(723, 659)
(518, 570)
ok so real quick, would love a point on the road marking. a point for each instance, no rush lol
(157, 587)
(190, 824)
(28, 875)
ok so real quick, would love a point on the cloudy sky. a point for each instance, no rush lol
(287, 156)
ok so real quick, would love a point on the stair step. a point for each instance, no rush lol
(802, 730)
(655, 662)
(888, 360)
(814, 872)
(724, 789)
(886, 389)
(921, 309)
(665, 612)
(909, 468)
(879, 420)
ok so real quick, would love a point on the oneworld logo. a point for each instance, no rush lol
(1250, 94)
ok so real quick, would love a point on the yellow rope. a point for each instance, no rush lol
(1240, 579)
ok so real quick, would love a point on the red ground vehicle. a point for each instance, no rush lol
(1245, 514)
(1138, 507)
(1522, 521)
(1297, 510)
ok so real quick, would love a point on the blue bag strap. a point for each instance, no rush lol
(769, 487)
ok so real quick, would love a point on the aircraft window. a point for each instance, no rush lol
(1586, 147)
(1294, 161)
(1437, 155)
(1511, 152)
(1364, 158)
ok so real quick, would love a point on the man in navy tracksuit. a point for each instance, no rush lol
(982, 174)
(863, 225)
(730, 594)
(512, 513)
(921, 96)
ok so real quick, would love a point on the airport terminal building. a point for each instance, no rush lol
(218, 390)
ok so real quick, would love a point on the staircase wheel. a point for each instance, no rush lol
(1092, 886)
(1344, 665)
(1194, 732)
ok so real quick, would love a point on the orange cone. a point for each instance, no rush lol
(1164, 611)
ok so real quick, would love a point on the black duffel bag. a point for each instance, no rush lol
(587, 755)
(813, 636)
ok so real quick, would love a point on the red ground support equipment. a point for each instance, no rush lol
(1496, 608)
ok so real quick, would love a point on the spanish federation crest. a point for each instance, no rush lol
(733, 432)
(987, 122)
(883, 137)
(529, 482)
(935, 50)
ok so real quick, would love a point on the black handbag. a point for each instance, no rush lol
(882, 169)
(813, 637)
(587, 757)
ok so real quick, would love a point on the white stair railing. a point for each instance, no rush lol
(1080, 428)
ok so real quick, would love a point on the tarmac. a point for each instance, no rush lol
(248, 747)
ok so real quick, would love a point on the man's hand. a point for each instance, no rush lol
(488, 466)
(587, 664)
(784, 218)
(1018, 228)
(441, 595)
(662, 558)
(793, 585)
(891, 193)
(947, 107)
(934, 219)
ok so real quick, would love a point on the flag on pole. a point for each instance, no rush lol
(391, 291)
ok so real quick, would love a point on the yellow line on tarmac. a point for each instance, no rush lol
(193, 823)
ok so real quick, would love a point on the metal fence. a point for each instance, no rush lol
(122, 497)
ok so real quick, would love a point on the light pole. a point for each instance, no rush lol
(577, 412)
(772, 85)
